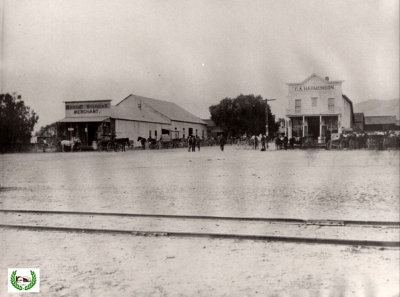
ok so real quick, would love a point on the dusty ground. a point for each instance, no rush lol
(351, 185)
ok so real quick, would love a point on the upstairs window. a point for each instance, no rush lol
(331, 103)
(297, 106)
(314, 101)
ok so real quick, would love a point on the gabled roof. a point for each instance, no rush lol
(210, 123)
(168, 109)
(380, 120)
(317, 76)
(137, 115)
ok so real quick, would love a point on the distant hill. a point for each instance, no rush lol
(375, 107)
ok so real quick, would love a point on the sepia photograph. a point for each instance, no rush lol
(200, 148)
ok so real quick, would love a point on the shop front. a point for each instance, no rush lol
(87, 120)
(317, 105)
(313, 126)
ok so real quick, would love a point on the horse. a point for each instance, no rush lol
(123, 142)
(75, 141)
(278, 143)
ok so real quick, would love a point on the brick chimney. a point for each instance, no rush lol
(327, 78)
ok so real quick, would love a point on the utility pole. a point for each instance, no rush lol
(266, 104)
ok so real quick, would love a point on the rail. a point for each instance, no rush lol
(295, 239)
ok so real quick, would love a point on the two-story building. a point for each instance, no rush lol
(316, 105)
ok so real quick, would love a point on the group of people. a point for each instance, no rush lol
(193, 141)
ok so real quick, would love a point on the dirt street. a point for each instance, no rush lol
(312, 184)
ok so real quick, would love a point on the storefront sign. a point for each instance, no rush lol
(87, 108)
(83, 108)
(317, 88)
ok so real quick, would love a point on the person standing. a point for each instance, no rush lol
(328, 137)
(222, 142)
(193, 144)
(190, 143)
(198, 143)
(255, 142)
(263, 143)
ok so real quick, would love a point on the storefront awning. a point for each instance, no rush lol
(83, 120)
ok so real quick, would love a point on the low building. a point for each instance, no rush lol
(316, 105)
(212, 129)
(380, 124)
(133, 117)
(359, 122)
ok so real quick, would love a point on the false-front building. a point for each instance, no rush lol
(316, 105)
(133, 117)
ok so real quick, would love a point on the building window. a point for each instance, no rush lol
(297, 106)
(196, 132)
(155, 134)
(331, 103)
(314, 101)
(183, 133)
(332, 124)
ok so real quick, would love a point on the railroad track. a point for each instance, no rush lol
(296, 239)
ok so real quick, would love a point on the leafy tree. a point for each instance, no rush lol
(16, 122)
(244, 114)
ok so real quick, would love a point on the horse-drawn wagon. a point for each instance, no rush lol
(74, 144)
(166, 142)
(111, 143)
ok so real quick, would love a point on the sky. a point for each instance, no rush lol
(194, 53)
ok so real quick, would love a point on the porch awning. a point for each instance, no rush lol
(83, 120)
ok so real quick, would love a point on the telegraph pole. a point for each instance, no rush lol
(266, 103)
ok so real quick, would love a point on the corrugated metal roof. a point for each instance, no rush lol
(171, 110)
(380, 120)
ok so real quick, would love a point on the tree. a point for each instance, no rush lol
(244, 114)
(16, 122)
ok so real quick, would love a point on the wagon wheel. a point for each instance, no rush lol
(100, 146)
(117, 147)
(171, 145)
(237, 145)
(342, 144)
(110, 147)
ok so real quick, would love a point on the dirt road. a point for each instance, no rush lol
(339, 185)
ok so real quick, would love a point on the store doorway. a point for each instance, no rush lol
(313, 127)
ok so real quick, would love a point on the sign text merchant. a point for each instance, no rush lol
(87, 108)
